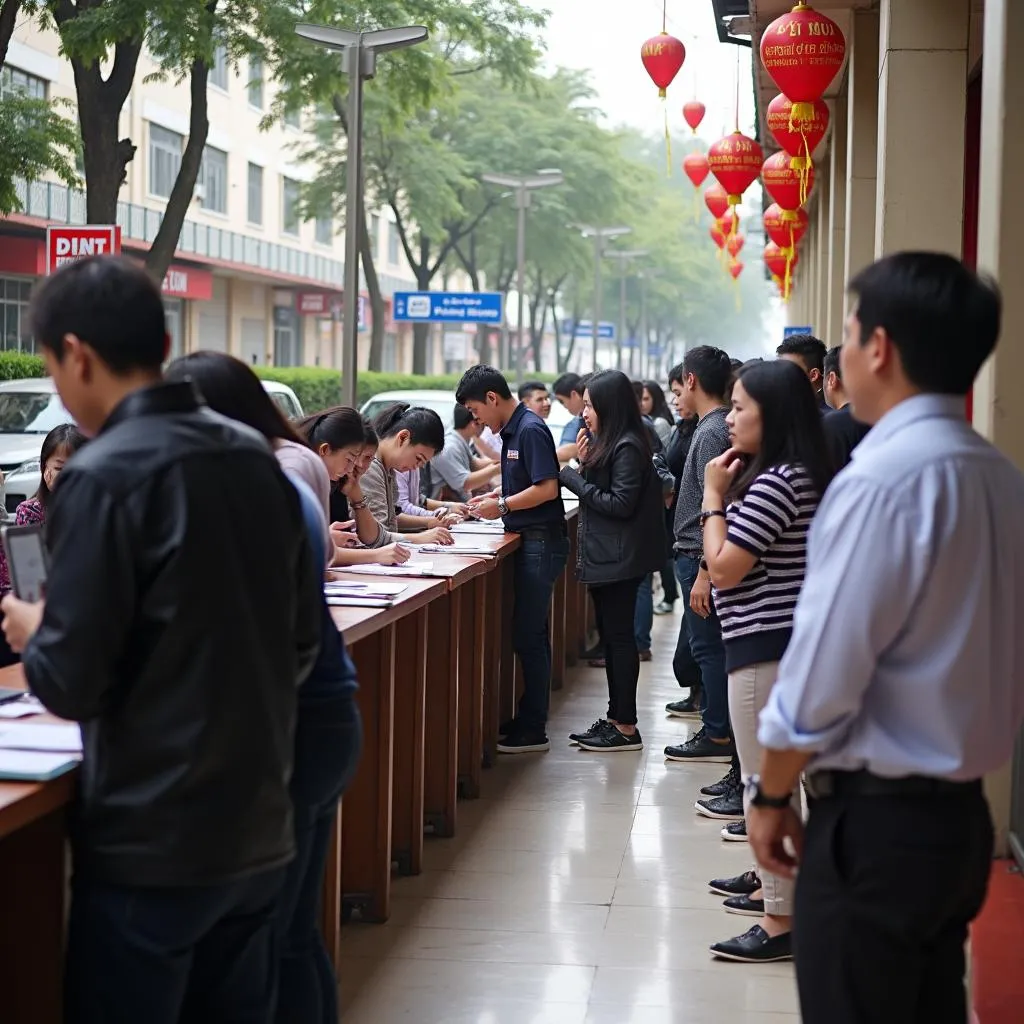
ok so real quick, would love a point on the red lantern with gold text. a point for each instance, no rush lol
(803, 52)
(734, 245)
(663, 56)
(785, 227)
(781, 264)
(783, 183)
(716, 199)
(693, 114)
(735, 162)
(799, 137)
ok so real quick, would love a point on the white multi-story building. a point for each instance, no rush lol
(249, 276)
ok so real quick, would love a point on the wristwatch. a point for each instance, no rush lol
(710, 513)
(502, 507)
(758, 798)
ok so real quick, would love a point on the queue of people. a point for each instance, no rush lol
(815, 551)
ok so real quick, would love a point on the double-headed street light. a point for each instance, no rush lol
(522, 185)
(599, 234)
(624, 256)
(360, 63)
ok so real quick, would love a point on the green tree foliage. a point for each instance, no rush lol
(35, 137)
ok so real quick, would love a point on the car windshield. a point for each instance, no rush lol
(444, 407)
(285, 403)
(31, 412)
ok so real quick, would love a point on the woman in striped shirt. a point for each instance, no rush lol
(759, 499)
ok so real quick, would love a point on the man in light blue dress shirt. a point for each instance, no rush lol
(901, 686)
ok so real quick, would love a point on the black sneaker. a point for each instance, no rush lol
(755, 947)
(523, 741)
(741, 885)
(735, 832)
(745, 906)
(609, 740)
(507, 728)
(724, 784)
(700, 748)
(725, 808)
(683, 708)
(575, 737)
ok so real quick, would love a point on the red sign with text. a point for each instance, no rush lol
(181, 282)
(67, 244)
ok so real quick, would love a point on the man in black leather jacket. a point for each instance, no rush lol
(181, 614)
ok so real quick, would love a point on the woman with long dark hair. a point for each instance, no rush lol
(328, 735)
(654, 406)
(621, 540)
(759, 500)
(409, 438)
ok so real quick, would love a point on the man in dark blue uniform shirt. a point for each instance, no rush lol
(530, 504)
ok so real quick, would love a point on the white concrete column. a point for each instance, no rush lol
(998, 411)
(922, 99)
(832, 329)
(861, 144)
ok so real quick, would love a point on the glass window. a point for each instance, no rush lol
(165, 149)
(325, 229)
(289, 206)
(213, 176)
(293, 118)
(255, 194)
(219, 68)
(14, 81)
(14, 331)
(256, 82)
(393, 246)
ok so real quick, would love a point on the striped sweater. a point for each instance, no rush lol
(771, 522)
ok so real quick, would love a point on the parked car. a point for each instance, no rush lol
(31, 408)
(443, 403)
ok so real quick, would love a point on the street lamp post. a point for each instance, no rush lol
(522, 186)
(359, 62)
(599, 234)
(624, 257)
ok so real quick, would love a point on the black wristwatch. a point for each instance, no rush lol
(710, 513)
(758, 798)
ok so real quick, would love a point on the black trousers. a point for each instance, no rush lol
(615, 604)
(887, 888)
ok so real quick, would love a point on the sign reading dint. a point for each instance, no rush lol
(67, 244)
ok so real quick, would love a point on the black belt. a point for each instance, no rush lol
(545, 531)
(825, 784)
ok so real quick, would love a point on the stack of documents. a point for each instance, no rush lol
(493, 527)
(35, 753)
(413, 567)
(23, 707)
(356, 594)
(461, 547)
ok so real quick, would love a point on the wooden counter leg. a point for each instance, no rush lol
(492, 664)
(558, 601)
(442, 714)
(32, 862)
(472, 644)
(410, 709)
(508, 658)
(366, 846)
(330, 896)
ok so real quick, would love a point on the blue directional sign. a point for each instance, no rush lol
(584, 329)
(449, 307)
(788, 332)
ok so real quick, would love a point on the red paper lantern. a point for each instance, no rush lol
(728, 223)
(735, 244)
(663, 56)
(799, 137)
(716, 199)
(736, 162)
(693, 114)
(782, 182)
(717, 234)
(695, 167)
(781, 263)
(735, 268)
(785, 227)
(803, 51)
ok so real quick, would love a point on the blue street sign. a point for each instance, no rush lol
(631, 343)
(788, 332)
(605, 329)
(449, 307)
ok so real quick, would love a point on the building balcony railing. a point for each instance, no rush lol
(62, 205)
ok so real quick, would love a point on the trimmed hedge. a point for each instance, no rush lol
(316, 387)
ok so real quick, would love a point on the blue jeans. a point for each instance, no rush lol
(643, 617)
(538, 564)
(162, 955)
(328, 741)
(708, 651)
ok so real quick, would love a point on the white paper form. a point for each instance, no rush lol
(34, 765)
(65, 739)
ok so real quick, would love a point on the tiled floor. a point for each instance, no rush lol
(574, 893)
